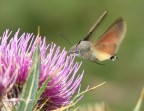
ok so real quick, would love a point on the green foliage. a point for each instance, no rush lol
(42, 88)
(29, 91)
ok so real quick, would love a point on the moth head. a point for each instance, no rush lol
(79, 48)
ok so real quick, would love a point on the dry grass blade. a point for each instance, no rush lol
(139, 102)
(83, 92)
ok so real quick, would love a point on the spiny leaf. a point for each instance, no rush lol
(41, 90)
(31, 86)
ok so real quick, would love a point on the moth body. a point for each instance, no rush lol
(105, 47)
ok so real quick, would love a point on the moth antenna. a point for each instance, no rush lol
(62, 35)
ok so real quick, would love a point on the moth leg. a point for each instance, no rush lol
(99, 63)
(96, 62)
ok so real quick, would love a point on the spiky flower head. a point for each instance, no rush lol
(15, 63)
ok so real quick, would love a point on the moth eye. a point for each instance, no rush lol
(77, 52)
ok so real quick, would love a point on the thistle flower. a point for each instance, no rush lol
(15, 63)
(7, 82)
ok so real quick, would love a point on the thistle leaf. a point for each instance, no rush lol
(31, 86)
(41, 90)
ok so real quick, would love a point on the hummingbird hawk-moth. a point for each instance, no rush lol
(106, 46)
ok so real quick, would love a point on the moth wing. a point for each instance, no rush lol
(109, 42)
(93, 28)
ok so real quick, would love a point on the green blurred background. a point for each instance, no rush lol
(124, 77)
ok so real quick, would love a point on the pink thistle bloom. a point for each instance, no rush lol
(15, 63)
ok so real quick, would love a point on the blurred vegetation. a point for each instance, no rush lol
(124, 77)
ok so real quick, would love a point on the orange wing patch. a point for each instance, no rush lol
(109, 42)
